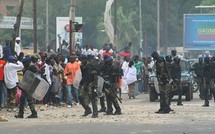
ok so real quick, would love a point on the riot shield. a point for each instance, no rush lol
(124, 87)
(100, 85)
(77, 79)
(34, 85)
(156, 85)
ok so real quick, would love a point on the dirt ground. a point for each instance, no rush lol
(138, 110)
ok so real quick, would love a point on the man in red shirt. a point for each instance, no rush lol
(106, 52)
(2, 64)
(126, 53)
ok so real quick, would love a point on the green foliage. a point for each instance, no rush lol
(128, 30)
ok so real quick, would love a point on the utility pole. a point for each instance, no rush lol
(47, 24)
(18, 18)
(165, 26)
(141, 29)
(115, 21)
(35, 24)
(158, 25)
(71, 22)
(17, 26)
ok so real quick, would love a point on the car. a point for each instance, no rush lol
(186, 83)
(195, 83)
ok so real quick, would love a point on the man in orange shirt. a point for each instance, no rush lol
(69, 72)
(2, 64)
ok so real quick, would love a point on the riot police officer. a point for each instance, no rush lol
(90, 70)
(199, 71)
(207, 77)
(30, 65)
(110, 73)
(169, 60)
(176, 76)
(163, 82)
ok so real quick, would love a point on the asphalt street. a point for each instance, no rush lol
(138, 118)
(109, 128)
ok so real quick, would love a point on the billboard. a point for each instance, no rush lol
(8, 22)
(199, 32)
(62, 31)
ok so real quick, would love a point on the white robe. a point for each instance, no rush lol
(17, 48)
(131, 74)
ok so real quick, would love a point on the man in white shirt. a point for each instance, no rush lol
(17, 47)
(47, 76)
(11, 78)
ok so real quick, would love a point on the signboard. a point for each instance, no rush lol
(8, 22)
(63, 29)
(199, 32)
(1, 51)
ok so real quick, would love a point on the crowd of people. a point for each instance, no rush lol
(107, 65)
(76, 79)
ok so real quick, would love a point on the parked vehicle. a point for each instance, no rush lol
(186, 82)
(195, 81)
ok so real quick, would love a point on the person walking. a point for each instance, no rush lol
(110, 73)
(11, 79)
(131, 77)
(24, 96)
(88, 86)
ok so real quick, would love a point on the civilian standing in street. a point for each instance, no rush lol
(69, 73)
(11, 78)
(131, 77)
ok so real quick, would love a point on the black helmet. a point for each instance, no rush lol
(173, 52)
(155, 55)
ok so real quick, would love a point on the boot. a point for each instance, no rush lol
(109, 113)
(33, 115)
(102, 110)
(206, 105)
(94, 116)
(87, 113)
(179, 104)
(117, 113)
(19, 116)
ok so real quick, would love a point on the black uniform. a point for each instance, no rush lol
(33, 68)
(212, 80)
(209, 76)
(110, 73)
(176, 76)
(169, 70)
(163, 82)
(199, 71)
(88, 84)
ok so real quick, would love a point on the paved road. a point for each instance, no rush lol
(110, 128)
(138, 118)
